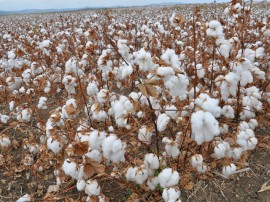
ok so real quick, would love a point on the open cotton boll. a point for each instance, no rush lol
(172, 111)
(229, 170)
(171, 58)
(137, 174)
(204, 127)
(144, 60)
(229, 85)
(96, 139)
(202, 168)
(228, 111)
(162, 122)
(171, 194)
(196, 160)
(54, 145)
(165, 71)
(236, 153)
(24, 198)
(171, 147)
(92, 89)
(177, 85)
(11, 55)
(215, 29)
(221, 150)
(4, 118)
(151, 161)
(253, 123)
(25, 115)
(95, 155)
(247, 140)
(200, 71)
(103, 95)
(81, 184)
(5, 141)
(144, 135)
(70, 168)
(168, 178)
(209, 104)
(243, 126)
(127, 71)
(224, 129)
(42, 103)
(92, 188)
(113, 149)
(152, 182)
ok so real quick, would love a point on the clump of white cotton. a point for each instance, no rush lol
(144, 135)
(92, 188)
(113, 149)
(171, 194)
(171, 147)
(204, 127)
(162, 122)
(168, 178)
(229, 170)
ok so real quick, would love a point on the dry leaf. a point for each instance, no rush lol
(148, 90)
(80, 148)
(92, 167)
(189, 186)
(264, 187)
(53, 188)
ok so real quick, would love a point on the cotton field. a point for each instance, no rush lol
(149, 100)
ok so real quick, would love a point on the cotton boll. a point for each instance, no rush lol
(103, 95)
(151, 161)
(204, 127)
(4, 118)
(202, 168)
(171, 147)
(196, 160)
(25, 115)
(253, 123)
(42, 103)
(177, 85)
(171, 194)
(145, 135)
(54, 145)
(113, 149)
(229, 170)
(168, 178)
(127, 71)
(209, 104)
(165, 71)
(92, 188)
(171, 58)
(236, 153)
(224, 129)
(243, 126)
(137, 174)
(92, 89)
(200, 71)
(24, 198)
(70, 168)
(162, 122)
(152, 183)
(96, 139)
(228, 111)
(5, 141)
(220, 151)
(143, 59)
(95, 155)
(81, 184)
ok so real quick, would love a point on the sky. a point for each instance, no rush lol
(10, 5)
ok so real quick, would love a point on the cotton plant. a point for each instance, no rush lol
(113, 149)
